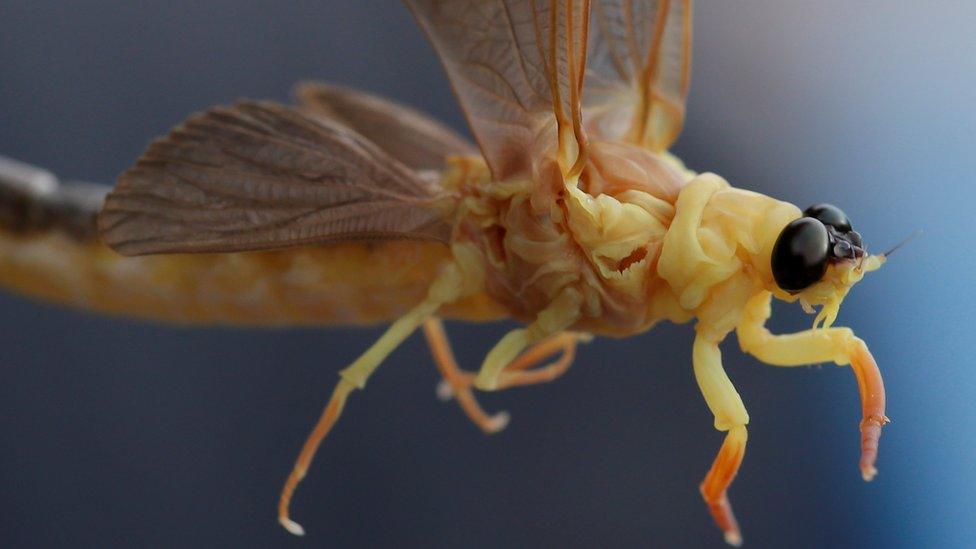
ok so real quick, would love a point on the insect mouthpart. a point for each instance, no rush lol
(845, 242)
(844, 246)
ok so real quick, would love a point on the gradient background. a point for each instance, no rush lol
(120, 433)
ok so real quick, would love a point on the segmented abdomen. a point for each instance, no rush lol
(343, 284)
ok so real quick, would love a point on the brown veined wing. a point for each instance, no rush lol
(517, 69)
(406, 134)
(260, 175)
(638, 71)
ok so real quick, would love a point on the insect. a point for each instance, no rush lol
(568, 215)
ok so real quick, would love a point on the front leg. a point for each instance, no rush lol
(838, 345)
(730, 415)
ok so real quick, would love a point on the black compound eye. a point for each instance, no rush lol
(800, 254)
(828, 214)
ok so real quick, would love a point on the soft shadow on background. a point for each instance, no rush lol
(121, 433)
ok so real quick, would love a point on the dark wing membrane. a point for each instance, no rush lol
(406, 134)
(260, 176)
(639, 71)
(517, 69)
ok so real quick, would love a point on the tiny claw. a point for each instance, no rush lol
(583, 337)
(444, 391)
(713, 488)
(498, 422)
(870, 434)
(725, 520)
(869, 473)
(292, 526)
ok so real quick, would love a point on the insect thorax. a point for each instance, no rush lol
(605, 235)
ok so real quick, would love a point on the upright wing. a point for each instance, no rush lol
(517, 69)
(259, 176)
(408, 135)
(639, 71)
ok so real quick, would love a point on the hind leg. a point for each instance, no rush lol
(731, 416)
(456, 382)
(446, 288)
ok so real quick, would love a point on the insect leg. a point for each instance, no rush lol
(515, 374)
(518, 374)
(731, 416)
(446, 288)
(839, 345)
(562, 313)
(455, 379)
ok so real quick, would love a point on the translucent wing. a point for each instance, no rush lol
(517, 69)
(639, 71)
(259, 176)
(408, 135)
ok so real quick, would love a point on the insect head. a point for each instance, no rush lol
(809, 244)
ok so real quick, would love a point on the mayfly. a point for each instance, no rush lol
(569, 216)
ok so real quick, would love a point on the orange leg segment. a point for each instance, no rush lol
(715, 486)
(356, 375)
(328, 420)
(517, 374)
(871, 387)
(458, 382)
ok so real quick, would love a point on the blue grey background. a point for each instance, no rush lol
(118, 433)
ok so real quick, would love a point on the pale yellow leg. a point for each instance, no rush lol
(838, 345)
(518, 373)
(730, 415)
(446, 288)
(562, 313)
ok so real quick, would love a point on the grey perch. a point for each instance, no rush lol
(32, 199)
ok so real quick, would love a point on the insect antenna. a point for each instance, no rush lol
(902, 243)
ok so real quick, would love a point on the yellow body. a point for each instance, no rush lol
(573, 220)
(671, 266)
(349, 283)
(633, 240)
(679, 244)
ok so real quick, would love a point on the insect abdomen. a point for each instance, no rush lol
(349, 283)
(49, 248)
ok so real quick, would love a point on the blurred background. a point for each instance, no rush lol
(118, 433)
